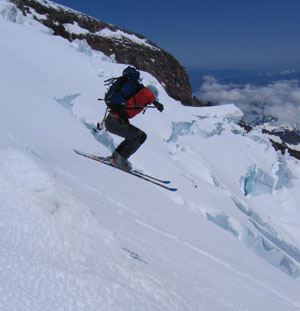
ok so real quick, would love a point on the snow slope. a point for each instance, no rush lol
(77, 235)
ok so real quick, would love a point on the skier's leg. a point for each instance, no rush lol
(134, 137)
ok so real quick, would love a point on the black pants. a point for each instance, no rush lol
(134, 137)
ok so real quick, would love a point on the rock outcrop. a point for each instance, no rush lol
(285, 140)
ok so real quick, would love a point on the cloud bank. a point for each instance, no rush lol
(279, 100)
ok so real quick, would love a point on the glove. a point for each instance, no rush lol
(159, 106)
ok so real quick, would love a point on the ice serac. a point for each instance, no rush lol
(128, 47)
(224, 114)
(257, 182)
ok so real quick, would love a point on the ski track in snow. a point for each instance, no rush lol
(220, 262)
(34, 184)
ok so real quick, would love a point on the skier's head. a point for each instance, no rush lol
(154, 90)
(131, 73)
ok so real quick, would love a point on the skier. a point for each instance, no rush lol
(117, 123)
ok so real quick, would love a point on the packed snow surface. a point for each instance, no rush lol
(78, 235)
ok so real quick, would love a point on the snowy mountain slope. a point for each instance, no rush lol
(77, 235)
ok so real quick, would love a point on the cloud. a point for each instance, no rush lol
(281, 73)
(279, 99)
(287, 72)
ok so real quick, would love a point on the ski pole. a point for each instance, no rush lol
(101, 124)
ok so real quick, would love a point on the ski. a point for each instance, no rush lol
(103, 159)
(151, 179)
(141, 173)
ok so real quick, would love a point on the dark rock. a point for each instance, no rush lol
(283, 148)
(246, 126)
(286, 136)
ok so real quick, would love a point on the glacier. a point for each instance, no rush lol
(257, 182)
(76, 235)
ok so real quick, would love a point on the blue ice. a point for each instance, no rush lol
(180, 129)
(283, 176)
(67, 101)
(257, 182)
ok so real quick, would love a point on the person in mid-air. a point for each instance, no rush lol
(117, 121)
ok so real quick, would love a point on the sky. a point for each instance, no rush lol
(214, 34)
